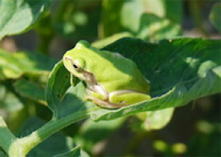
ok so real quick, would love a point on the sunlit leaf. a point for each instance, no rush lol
(16, 64)
(150, 20)
(9, 101)
(153, 28)
(153, 120)
(18, 16)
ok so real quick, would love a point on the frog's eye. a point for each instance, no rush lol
(78, 64)
(77, 68)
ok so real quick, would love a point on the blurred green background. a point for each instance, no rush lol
(194, 129)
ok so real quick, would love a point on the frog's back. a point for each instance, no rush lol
(112, 70)
(123, 72)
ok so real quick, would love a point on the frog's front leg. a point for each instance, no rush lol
(127, 97)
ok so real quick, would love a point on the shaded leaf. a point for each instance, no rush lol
(64, 99)
(171, 10)
(16, 64)
(6, 136)
(75, 101)
(215, 16)
(2, 154)
(18, 16)
(75, 152)
(31, 90)
(58, 83)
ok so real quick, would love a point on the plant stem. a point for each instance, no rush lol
(36, 137)
(6, 136)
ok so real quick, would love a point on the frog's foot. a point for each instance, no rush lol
(127, 97)
(104, 103)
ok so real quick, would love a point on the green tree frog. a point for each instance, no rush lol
(112, 80)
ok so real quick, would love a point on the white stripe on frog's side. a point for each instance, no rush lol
(120, 92)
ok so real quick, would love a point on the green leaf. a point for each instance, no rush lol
(130, 17)
(215, 16)
(153, 28)
(64, 99)
(179, 70)
(9, 101)
(106, 41)
(153, 120)
(74, 101)
(58, 83)
(151, 19)
(75, 152)
(6, 136)
(2, 154)
(18, 16)
(16, 64)
(171, 10)
(30, 90)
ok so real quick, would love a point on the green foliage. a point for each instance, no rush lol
(30, 90)
(191, 74)
(24, 63)
(154, 120)
(215, 16)
(18, 16)
(180, 70)
(9, 101)
(150, 20)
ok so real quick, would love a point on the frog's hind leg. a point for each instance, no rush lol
(103, 103)
(127, 97)
(101, 98)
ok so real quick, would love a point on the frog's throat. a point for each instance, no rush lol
(88, 77)
(93, 85)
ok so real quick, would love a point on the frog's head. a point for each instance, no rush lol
(75, 61)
